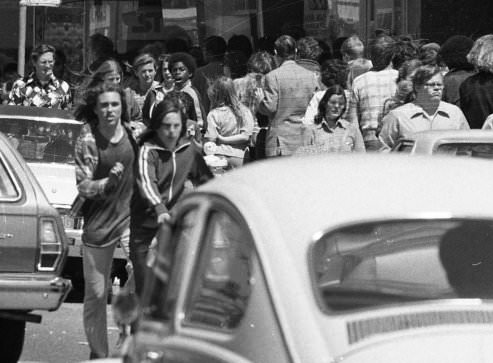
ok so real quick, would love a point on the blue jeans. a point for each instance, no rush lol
(140, 240)
(96, 262)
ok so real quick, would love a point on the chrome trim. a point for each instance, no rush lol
(60, 243)
(52, 120)
(13, 177)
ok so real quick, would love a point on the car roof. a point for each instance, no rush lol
(302, 196)
(431, 136)
(44, 114)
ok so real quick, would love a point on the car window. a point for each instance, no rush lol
(219, 294)
(40, 141)
(404, 146)
(161, 301)
(478, 150)
(7, 185)
(375, 264)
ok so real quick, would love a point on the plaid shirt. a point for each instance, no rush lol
(86, 162)
(30, 92)
(369, 93)
(321, 139)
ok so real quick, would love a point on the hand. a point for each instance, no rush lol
(116, 173)
(259, 95)
(163, 217)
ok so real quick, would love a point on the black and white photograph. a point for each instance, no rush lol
(246, 181)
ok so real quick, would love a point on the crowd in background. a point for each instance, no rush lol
(156, 125)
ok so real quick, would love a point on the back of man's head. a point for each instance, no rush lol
(352, 48)
(382, 52)
(308, 48)
(285, 47)
(215, 46)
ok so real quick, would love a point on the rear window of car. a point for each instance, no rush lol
(375, 264)
(478, 150)
(404, 146)
(8, 189)
(40, 141)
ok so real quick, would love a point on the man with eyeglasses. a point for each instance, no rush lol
(426, 112)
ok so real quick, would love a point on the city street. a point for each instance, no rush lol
(60, 336)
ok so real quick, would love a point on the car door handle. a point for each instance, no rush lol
(6, 235)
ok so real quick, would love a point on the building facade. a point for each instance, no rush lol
(131, 24)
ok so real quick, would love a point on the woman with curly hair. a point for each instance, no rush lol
(476, 92)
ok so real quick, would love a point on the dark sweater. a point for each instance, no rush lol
(476, 98)
(161, 179)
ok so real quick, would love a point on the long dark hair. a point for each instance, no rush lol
(322, 106)
(171, 103)
(85, 112)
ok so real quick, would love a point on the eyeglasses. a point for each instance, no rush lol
(434, 84)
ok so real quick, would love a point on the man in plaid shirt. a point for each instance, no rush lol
(371, 89)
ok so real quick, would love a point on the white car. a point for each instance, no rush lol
(46, 139)
(325, 259)
(472, 143)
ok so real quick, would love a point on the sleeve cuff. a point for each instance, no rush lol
(160, 209)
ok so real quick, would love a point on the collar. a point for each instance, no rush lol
(420, 112)
(33, 79)
(183, 143)
(339, 123)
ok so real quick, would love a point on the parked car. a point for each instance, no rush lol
(350, 258)
(33, 250)
(46, 139)
(472, 143)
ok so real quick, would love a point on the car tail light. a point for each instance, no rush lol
(51, 245)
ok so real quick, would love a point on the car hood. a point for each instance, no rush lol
(452, 331)
(57, 181)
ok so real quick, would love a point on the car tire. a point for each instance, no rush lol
(12, 334)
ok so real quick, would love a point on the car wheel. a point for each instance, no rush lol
(11, 339)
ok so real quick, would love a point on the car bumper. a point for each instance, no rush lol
(28, 292)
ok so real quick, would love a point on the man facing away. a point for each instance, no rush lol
(371, 89)
(288, 90)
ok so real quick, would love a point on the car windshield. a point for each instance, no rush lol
(478, 150)
(374, 264)
(41, 141)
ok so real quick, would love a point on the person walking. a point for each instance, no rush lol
(229, 123)
(288, 90)
(370, 91)
(330, 133)
(454, 54)
(144, 67)
(41, 88)
(476, 91)
(104, 166)
(167, 161)
(426, 112)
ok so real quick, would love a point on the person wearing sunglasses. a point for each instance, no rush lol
(426, 112)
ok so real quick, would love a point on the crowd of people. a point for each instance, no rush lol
(144, 135)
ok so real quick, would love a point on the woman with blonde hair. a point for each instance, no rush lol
(476, 92)
(229, 123)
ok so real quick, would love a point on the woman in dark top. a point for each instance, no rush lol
(168, 161)
(476, 92)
